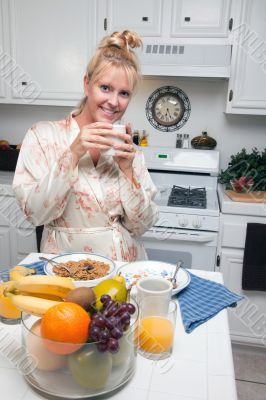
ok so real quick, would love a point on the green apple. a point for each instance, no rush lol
(90, 368)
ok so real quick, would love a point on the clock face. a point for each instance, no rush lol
(168, 108)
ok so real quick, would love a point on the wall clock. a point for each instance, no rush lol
(168, 108)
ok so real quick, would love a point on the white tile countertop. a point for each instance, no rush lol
(200, 368)
(229, 206)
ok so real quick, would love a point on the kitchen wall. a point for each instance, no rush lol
(207, 97)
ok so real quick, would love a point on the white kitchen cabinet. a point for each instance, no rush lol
(5, 253)
(247, 84)
(52, 42)
(248, 320)
(205, 18)
(4, 54)
(17, 236)
(144, 17)
(166, 19)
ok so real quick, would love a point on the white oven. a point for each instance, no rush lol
(187, 229)
(196, 249)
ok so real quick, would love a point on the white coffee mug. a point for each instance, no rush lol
(160, 289)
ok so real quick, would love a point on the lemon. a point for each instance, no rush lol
(116, 290)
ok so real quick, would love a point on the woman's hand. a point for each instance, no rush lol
(125, 152)
(92, 136)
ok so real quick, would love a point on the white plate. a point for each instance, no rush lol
(134, 271)
(62, 258)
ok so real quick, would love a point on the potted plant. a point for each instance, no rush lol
(246, 172)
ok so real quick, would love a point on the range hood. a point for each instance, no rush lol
(199, 60)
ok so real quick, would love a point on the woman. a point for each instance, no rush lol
(65, 180)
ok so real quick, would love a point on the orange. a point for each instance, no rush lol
(66, 325)
(155, 334)
(7, 308)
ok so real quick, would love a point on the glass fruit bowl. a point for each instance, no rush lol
(82, 371)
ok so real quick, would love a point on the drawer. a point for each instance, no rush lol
(234, 235)
(234, 228)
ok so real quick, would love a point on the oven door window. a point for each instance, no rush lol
(170, 256)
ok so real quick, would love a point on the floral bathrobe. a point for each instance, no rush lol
(88, 208)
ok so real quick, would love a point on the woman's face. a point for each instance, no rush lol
(108, 97)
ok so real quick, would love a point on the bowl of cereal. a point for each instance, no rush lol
(86, 269)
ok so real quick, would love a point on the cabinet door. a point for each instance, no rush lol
(144, 17)
(52, 41)
(25, 243)
(205, 18)
(24, 236)
(5, 251)
(247, 321)
(4, 55)
(247, 85)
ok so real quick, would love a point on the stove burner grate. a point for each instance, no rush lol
(187, 197)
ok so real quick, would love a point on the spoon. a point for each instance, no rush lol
(57, 264)
(53, 262)
(173, 279)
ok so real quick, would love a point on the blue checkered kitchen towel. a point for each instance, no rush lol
(202, 299)
(38, 265)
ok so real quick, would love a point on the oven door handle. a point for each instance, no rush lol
(172, 235)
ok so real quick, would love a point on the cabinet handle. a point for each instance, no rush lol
(145, 19)
(187, 19)
(218, 261)
(24, 83)
(231, 93)
(230, 25)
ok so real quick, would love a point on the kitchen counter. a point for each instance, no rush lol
(228, 206)
(201, 366)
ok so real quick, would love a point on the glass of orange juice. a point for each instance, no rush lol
(9, 314)
(155, 330)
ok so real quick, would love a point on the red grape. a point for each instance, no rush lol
(130, 308)
(116, 333)
(104, 298)
(113, 345)
(99, 321)
(104, 336)
(102, 346)
(95, 333)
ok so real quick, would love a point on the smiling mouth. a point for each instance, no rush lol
(109, 112)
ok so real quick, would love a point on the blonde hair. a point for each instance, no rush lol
(115, 51)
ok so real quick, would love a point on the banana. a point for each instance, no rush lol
(43, 284)
(33, 305)
(42, 296)
(19, 271)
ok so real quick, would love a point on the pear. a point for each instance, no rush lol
(113, 288)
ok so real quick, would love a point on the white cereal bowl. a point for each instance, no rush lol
(63, 258)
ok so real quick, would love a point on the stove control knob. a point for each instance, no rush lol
(183, 221)
(197, 223)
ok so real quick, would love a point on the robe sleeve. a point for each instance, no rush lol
(140, 211)
(44, 175)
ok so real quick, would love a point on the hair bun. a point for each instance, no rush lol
(125, 39)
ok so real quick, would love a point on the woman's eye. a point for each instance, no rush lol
(104, 88)
(124, 93)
